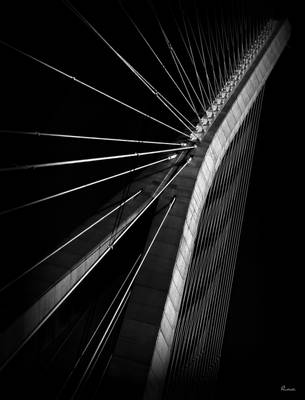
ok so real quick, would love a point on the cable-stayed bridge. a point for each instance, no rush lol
(133, 291)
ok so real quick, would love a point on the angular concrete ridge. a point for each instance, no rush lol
(143, 350)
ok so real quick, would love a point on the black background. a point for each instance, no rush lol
(261, 348)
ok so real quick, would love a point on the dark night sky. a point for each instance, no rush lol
(260, 348)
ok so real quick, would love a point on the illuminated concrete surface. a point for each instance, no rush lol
(154, 305)
(145, 341)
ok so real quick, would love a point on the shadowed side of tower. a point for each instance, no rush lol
(149, 320)
(171, 337)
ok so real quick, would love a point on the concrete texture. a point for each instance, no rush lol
(143, 349)
(177, 240)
